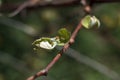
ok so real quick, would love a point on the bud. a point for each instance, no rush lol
(45, 43)
(90, 22)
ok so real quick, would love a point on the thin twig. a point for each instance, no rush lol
(23, 6)
(37, 5)
(57, 57)
(32, 3)
(44, 72)
(104, 1)
(87, 7)
(20, 8)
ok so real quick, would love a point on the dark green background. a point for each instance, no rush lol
(18, 60)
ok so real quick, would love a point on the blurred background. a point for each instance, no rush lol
(95, 55)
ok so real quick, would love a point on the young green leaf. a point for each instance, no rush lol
(90, 22)
(64, 35)
(45, 43)
(51, 43)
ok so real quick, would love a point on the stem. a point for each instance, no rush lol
(104, 1)
(44, 72)
(10, 6)
(58, 56)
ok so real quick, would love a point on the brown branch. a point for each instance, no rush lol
(104, 1)
(10, 6)
(32, 3)
(44, 72)
(54, 3)
(20, 8)
(57, 57)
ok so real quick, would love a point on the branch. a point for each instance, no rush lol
(45, 71)
(104, 1)
(32, 3)
(57, 57)
(10, 6)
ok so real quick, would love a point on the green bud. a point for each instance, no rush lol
(90, 22)
(45, 43)
(64, 35)
(51, 43)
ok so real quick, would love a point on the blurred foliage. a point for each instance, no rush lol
(21, 61)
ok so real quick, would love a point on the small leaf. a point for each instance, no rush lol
(90, 22)
(45, 43)
(64, 35)
(51, 43)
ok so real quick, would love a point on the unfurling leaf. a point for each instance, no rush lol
(64, 35)
(50, 43)
(45, 43)
(90, 22)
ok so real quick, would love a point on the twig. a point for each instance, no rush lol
(20, 8)
(44, 72)
(31, 3)
(37, 5)
(104, 1)
(23, 6)
(11, 6)
(57, 57)
(87, 7)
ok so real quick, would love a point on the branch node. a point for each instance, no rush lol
(71, 41)
(87, 9)
(44, 72)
